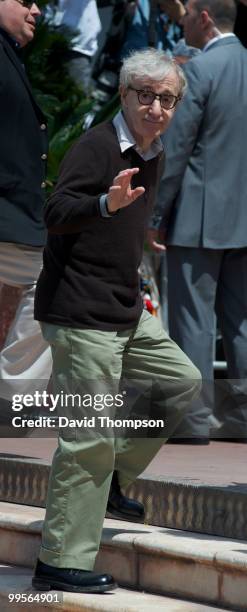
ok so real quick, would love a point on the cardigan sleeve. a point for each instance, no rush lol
(81, 182)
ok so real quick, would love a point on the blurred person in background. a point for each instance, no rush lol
(154, 24)
(201, 217)
(25, 359)
(82, 18)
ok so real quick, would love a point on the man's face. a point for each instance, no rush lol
(192, 25)
(18, 20)
(147, 122)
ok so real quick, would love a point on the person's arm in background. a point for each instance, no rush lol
(173, 8)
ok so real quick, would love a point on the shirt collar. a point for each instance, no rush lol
(218, 37)
(127, 140)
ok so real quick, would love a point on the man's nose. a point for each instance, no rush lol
(156, 106)
(34, 10)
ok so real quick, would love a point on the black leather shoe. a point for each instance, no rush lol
(47, 577)
(122, 507)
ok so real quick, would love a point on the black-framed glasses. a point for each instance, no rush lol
(147, 97)
(26, 3)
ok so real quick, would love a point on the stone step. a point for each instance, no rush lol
(175, 503)
(205, 569)
(15, 582)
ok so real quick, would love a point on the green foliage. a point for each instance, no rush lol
(59, 97)
(64, 138)
(46, 64)
(64, 103)
(108, 111)
(46, 61)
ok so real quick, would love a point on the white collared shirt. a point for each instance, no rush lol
(218, 37)
(127, 140)
(81, 16)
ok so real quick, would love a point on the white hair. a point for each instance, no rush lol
(151, 64)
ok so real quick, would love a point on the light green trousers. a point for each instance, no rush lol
(85, 361)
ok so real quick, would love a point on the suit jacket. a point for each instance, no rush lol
(23, 150)
(203, 192)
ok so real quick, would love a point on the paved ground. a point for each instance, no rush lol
(220, 463)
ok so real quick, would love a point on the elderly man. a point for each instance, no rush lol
(202, 204)
(25, 356)
(89, 303)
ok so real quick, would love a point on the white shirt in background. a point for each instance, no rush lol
(81, 16)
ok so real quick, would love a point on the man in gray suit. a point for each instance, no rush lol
(201, 214)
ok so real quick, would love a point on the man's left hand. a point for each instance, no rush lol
(156, 239)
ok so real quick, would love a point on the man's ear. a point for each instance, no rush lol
(205, 19)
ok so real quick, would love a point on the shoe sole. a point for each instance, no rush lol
(42, 585)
